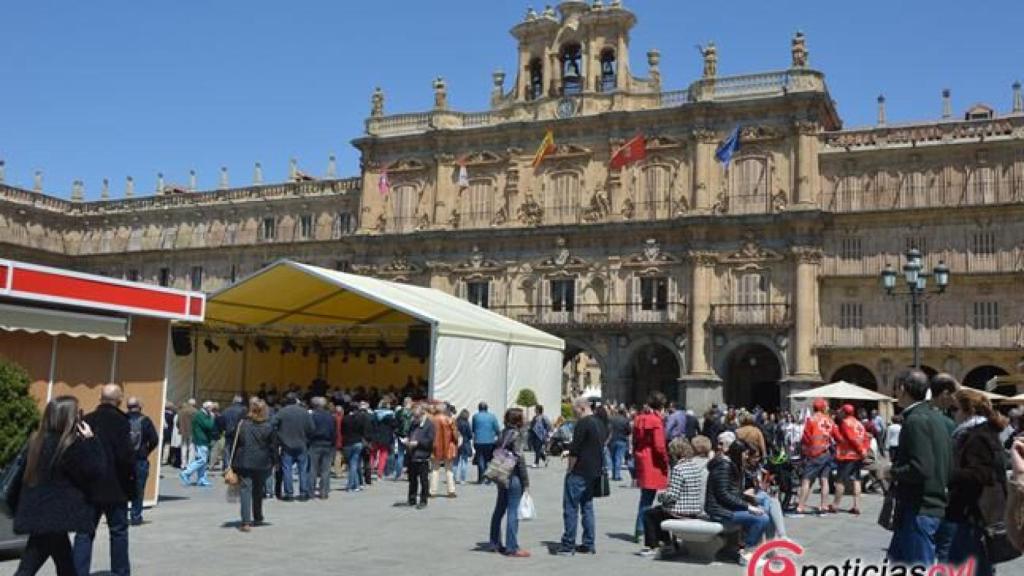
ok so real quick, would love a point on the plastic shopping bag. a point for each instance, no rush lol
(526, 508)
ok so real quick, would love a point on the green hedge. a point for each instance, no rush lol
(18, 412)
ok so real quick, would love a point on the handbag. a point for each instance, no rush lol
(500, 468)
(602, 485)
(11, 478)
(230, 476)
(991, 514)
(886, 515)
(527, 511)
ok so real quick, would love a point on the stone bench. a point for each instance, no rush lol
(702, 539)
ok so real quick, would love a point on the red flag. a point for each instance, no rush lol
(632, 151)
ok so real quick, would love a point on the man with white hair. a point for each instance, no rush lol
(115, 487)
(202, 437)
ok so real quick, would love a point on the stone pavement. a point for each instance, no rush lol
(193, 531)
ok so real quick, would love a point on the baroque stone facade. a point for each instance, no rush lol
(673, 273)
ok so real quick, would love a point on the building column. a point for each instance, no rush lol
(805, 304)
(806, 165)
(701, 387)
(705, 142)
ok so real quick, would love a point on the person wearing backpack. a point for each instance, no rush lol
(852, 445)
(144, 441)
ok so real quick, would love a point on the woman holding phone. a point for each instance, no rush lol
(63, 459)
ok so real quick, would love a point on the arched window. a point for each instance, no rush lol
(572, 71)
(476, 204)
(652, 201)
(536, 87)
(562, 198)
(749, 178)
(405, 201)
(608, 70)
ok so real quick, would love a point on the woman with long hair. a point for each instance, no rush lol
(978, 464)
(253, 461)
(507, 504)
(650, 455)
(725, 502)
(63, 460)
(465, 453)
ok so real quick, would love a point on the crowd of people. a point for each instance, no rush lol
(943, 464)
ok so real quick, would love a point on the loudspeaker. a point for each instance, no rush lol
(418, 343)
(181, 340)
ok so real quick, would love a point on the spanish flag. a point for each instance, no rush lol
(547, 146)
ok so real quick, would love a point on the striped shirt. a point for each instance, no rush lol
(686, 484)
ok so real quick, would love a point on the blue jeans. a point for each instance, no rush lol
(773, 508)
(507, 504)
(913, 539)
(399, 462)
(646, 501)
(354, 457)
(484, 453)
(967, 543)
(577, 500)
(753, 525)
(141, 475)
(944, 540)
(198, 467)
(117, 524)
(291, 458)
(619, 448)
(461, 467)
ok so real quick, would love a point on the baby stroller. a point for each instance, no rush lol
(560, 439)
(782, 477)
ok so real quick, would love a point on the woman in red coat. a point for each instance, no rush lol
(650, 455)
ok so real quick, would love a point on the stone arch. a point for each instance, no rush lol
(641, 341)
(752, 372)
(980, 375)
(722, 355)
(653, 364)
(573, 348)
(856, 374)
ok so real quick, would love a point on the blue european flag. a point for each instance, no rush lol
(728, 147)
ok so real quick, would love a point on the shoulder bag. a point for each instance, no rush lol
(11, 477)
(230, 476)
(502, 464)
(991, 514)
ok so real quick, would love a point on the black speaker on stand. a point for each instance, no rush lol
(181, 340)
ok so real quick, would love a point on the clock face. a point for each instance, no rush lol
(566, 108)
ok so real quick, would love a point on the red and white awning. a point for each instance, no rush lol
(34, 283)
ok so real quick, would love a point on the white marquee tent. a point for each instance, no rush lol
(474, 354)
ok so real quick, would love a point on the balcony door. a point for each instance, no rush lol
(751, 298)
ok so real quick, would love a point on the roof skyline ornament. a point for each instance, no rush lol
(105, 190)
(129, 187)
(332, 166)
(37, 181)
(2, 170)
(77, 191)
(159, 182)
(440, 94)
(947, 104)
(192, 180)
(377, 102)
(223, 177)
(798, 48)
(257, 174)
(1018, 101)
(881, 110)
(710, 55)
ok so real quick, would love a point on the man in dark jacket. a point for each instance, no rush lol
(321, 447)
(144, 440)
(585, 462)
(921, 473)
(419, 448)
(294, 425)
(229, 420)
(111, 492)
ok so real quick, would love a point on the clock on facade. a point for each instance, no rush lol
(566, 108)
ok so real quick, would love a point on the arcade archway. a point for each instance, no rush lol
(856, 374)
(752, 373)
(581, 371)
(978, 377)
(653, 367)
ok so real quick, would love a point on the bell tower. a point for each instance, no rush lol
(579, 48)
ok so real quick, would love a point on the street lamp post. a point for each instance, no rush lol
(917, 287)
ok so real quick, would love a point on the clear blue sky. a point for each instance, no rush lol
(110, 88)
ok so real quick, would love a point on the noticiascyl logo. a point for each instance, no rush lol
(778, 558)
(769, 558)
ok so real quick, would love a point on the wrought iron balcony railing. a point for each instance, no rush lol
(596, 314)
